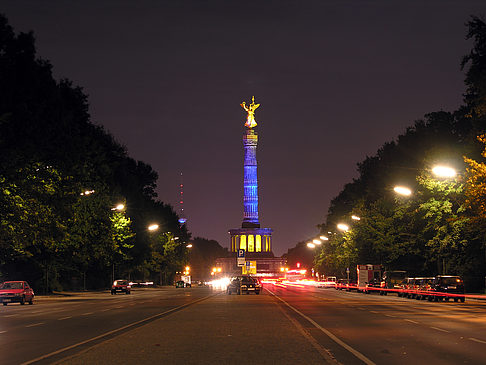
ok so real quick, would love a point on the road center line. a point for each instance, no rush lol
(390, 315)
(87, 314)
(356, 353)
(375, 312)
(440, 329)
(476, 340)
(63, 318)
(411, 321)
(35, 324)
(3, 332)
(10, 315)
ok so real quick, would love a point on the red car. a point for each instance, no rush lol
(121, 286)
(16, 291)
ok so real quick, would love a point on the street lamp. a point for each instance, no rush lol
(189, 245)
(119, 207)
(402, 190)
(87, 192)
(355, 217)
(444, 171)
(343, 227)
(316, 241)
(324, 238)
(311, 245)
(153, 227)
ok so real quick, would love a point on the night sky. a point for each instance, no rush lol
(335, 79)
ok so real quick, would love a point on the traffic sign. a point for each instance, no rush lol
(241, 253)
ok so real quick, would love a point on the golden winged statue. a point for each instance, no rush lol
(250, 120)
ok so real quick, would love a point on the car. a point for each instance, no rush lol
(342, 284)
(374, 285)
(391, 282)
(444, 287)
(352, 285)
(120, 286)
(243, 284)
(16, 291)
(423, 285)
(404, 287)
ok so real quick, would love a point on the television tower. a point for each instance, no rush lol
(182, 217)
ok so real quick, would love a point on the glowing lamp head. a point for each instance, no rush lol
(343, 227)
(153, 227)
(402, 190)
(324, 238)
(444, 171)
(119, 207)
(355, 217)
(311, 245)
(298, 265)
(316, 241)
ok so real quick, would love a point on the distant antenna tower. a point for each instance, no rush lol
(182, 217)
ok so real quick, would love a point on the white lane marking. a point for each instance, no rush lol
(440, 329)
(105, 310)
(375, 312)
(409, 320)
(3, 332)
(120, 306)
(322, 350)
(390, 315)
(476, 340)
(356, 353)
(35, 324)
(113, 331)
(10, 315)
(63, 318)
(87, 314)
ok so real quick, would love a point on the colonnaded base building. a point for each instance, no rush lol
(252, 241)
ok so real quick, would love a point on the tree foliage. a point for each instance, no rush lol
(441, 228)
(50, 153)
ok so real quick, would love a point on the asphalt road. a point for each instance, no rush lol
(283, 325)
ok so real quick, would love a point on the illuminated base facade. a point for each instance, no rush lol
(252, 240)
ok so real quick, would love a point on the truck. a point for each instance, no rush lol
(187, 280)
(368, 275)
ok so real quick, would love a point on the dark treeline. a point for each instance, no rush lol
(440, 228)
(52, 233)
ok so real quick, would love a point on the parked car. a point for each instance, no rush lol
(352, 285)
(391, 282)
(120, 286)
(16, 292)
(374, 285)
(423, 287)
(342, 284)
(444, 287)
(404, 286)
(243, 284)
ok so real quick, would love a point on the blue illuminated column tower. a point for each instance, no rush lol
(256, 241)
(250, 181)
